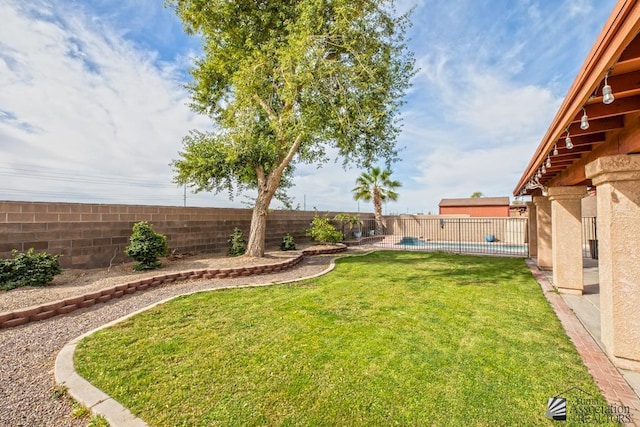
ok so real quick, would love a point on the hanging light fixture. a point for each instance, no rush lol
(555, 150)
(539, 174)
(548, 163)
(544, 169)
(567, 141)
(607, 93)
(584, 121)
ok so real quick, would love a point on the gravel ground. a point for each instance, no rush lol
(27, 353)
(78, 282)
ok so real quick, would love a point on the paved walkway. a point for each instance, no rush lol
(580, 317)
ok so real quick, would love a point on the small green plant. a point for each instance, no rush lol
(79, 410)
(287, 243)
(59, 391)
(237, 245)
(323, 231)
(28, 269)
(98, 421)
(145, 246)
(352, 221)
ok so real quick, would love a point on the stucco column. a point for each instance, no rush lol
(566, 220)
(543, 231)
(617, 179)
(532, 232)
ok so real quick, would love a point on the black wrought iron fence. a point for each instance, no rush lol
(495, 236)
(589, 237)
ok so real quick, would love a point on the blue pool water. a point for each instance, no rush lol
(471, 247)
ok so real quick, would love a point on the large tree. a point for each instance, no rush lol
(290, 81)
(378, 186)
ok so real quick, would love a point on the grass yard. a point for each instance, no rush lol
(390, 338)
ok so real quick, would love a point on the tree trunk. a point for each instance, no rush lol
(377, 210)
(267, 186)
(257, 234)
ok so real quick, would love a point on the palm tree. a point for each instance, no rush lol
(377, 185)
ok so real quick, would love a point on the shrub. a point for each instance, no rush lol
(287, 243)
(145, 246)
(237, 245)
(323, 231)
(352, 221)
(28, 269)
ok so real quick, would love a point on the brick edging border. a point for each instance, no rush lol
(609, 380)
(47, 310)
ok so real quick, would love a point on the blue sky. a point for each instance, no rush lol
(93, 109)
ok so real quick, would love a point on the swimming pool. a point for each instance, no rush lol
(497, 248)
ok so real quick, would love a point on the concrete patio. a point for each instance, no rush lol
(586, 307)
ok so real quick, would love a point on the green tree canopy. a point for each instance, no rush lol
(378, 186)
(285, 82)
(476, 194)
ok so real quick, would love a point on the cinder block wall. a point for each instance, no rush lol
(93, 235)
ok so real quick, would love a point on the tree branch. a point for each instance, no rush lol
(276, 173)
(292, 151)
(272, 114)
(260, 175)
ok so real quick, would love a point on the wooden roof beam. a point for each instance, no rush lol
(598, 126)
(620, 142)
(619, 107)
(626, 84)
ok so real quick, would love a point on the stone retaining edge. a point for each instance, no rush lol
(47, 310)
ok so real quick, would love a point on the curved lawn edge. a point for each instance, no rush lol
(121, 410)
(101, 403)
(67, 305)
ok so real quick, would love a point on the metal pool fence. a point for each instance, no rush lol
(494, 236)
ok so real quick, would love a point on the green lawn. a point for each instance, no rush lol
(390, 338)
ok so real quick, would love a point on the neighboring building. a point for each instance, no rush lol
(475, 207)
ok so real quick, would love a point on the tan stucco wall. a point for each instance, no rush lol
(543, 219)
(617, 179)
(464, 229)
(533, 226)
(589, 206)
(566, 237)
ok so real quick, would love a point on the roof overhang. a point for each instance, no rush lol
(616, 52)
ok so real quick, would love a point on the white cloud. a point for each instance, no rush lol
(497, 110)
(579, 7)
(84, 99)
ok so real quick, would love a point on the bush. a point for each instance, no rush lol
(287, 243)
(145, 246)
(28, 269)
(237, 245)
(323, 231)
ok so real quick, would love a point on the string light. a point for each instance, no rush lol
(567, 141)
(607, 93)
(584, 121)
